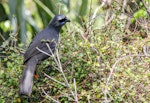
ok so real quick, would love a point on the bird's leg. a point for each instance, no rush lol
(36, 76)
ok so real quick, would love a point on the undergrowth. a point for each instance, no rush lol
(105, 66)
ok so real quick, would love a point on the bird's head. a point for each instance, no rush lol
(59, 20)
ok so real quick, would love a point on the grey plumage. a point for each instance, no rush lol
(32, 56)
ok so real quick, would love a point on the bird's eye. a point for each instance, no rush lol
(62, 20)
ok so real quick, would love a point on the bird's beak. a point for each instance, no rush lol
(67, 20)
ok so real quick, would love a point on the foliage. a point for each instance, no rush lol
(105, 52)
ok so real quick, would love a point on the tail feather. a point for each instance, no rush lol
(25, 87)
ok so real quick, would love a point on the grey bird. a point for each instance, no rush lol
(34, 56)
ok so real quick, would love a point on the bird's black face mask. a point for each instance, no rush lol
(63, 21)
(59, 20)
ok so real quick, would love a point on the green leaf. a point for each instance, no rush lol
(3, 16)
(82, 11)
(140, 13)
(45, 13)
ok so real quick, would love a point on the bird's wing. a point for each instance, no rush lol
(32, 50)
(40, 41)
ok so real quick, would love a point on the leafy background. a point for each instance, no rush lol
(104, 51)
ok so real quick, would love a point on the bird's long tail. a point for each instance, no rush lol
(25, 87)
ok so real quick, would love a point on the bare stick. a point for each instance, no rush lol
(52, 54)
(113, 67)
(95, 12)
(47, 54)
(67, 83)
(50, 96)
(55, 80)
(75, 87)
(88, 97)
(43, 51)
(122, 58)
(60, 68)
(145, 50)
(109, 21)
(2, 37)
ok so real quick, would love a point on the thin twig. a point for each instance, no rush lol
(43, 51)
(88, 97)
(55, 80)
(57, 60)
(113, 67)
(67, 83)
(2, 37)
(50, 96)
(122, 58)
(95, 12)
(52, 54)
(75, 87)
(109, 21)
(145, 50)
(67, 95)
